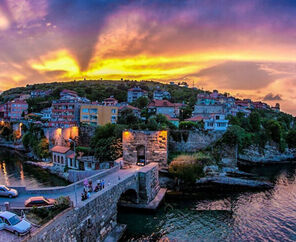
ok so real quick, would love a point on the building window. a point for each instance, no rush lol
(62, 159)
(93, 110)
(113, 110)
(85, 116)
(89, 164)
(85, 110)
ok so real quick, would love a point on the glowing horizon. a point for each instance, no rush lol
(246, 48)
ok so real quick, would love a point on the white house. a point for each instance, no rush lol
(164, 107)
(63, 156)
(134, 93)
(216, 122)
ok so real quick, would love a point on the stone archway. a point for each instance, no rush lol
(141, 155)
(129, 196)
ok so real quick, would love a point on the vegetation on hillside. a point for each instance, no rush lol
(260, 128)
(35, 140)
(98, 90)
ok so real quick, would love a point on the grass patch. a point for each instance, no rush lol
(189, 167)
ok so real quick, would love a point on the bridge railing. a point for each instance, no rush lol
(66, 189)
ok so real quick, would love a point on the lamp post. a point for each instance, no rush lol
(75, 190)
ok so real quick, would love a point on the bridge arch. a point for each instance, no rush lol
(129, 196)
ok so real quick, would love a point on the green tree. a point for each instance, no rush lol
(127, 117)
(141, 102)
(106, 142)
(188, 125)
(254, 120)
(275, 130)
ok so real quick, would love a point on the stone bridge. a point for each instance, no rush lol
(94, 218)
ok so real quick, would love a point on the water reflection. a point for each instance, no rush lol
(14, 173)
(249, 216)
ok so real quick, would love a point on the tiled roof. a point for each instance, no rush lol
(71, 155)
(60, 149)
(195, 118)
(161, 103)
(128, 106)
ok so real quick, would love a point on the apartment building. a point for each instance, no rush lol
(97, 114)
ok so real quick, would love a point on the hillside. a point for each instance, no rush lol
(97, 90)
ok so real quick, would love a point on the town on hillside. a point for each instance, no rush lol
(60, 121)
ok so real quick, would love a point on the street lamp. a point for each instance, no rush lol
(70, 140)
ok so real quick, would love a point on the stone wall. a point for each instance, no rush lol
(191, 141)
(85, 134)
(94, 220)
(96, 217)
(148, 183)
(155, 143)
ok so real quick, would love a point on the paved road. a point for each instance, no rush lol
(110, 180)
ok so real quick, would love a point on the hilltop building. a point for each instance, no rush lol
(134, 93)
(160, 94)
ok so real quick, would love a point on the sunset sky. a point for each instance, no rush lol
(247, 48)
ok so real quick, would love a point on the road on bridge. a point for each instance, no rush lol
(110, 180)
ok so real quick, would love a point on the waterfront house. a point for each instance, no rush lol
(134, 93)
(97, 114)
(59, 155)
(216, 122)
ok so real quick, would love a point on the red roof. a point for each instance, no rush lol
(161, 103)
(128, 106)
(60, 149)
(195, 118)
(71, 155)
(110, 99)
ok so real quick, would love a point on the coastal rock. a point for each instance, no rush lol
(231, 181)
(211, 170)
(271, 155)
(235, 172)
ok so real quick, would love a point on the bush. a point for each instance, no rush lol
(189, 167)
(188, 125)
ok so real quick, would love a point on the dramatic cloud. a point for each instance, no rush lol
(237, 75)
(271, 97)
(245, 47)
